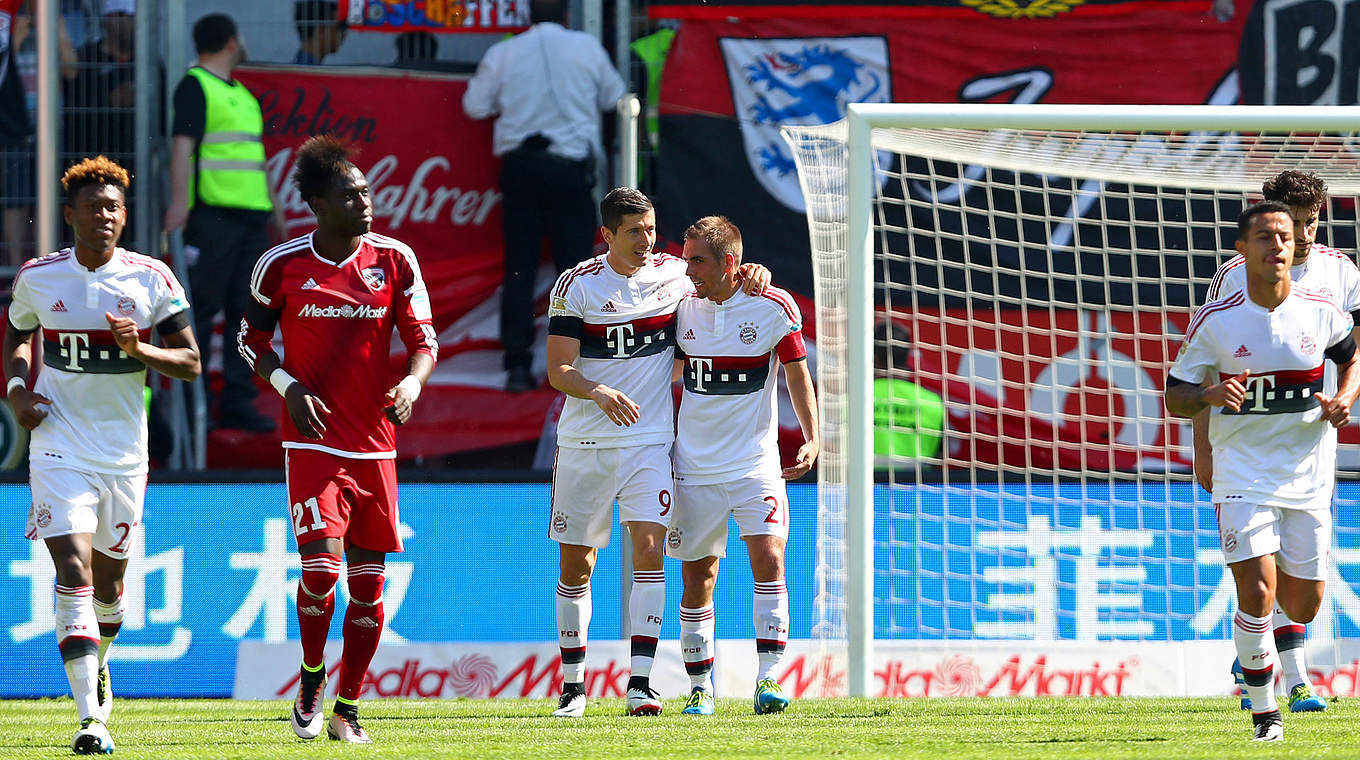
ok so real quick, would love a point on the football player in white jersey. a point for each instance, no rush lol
(729, 351)
(96, 305)
(1322, 268)
(611, 345)
(1256, 356)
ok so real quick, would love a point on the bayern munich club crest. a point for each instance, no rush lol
(1308, 345)
(673, 538)
(126, 306)
(747, 333)
(559, 522)
(374, 277)
(42, 516)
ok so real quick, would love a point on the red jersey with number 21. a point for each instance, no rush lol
(337, 322)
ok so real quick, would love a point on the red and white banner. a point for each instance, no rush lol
(268, 670)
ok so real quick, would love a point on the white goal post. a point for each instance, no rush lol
(1207, 153)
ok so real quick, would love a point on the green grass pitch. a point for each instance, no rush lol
(930, 729)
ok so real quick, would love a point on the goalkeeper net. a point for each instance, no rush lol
(1030, 289)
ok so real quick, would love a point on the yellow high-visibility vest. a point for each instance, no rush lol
(230, 163)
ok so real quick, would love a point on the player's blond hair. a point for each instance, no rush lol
(720, 235)
(100, 170)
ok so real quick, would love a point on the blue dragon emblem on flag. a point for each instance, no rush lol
(798, 81)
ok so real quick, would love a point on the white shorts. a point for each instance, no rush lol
(1300, 539)
(586, 482)
(67, 501)
(699, 525)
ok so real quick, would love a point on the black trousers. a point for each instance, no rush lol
(229, 242)
(545, 196)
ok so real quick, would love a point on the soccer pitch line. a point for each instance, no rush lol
(928, 729)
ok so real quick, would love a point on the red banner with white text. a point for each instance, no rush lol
(434, 186)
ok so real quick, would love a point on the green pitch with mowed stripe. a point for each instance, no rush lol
(931, 729)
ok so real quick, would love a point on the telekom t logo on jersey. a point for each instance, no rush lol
(74, 343)
(703, 369)
(1257, 385)
(619, 338)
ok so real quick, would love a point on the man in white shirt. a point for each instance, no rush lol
(729, 349)
(546, 87)
(1257, 355)
(1321, 268)
(95, 305)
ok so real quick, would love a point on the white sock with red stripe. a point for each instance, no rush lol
(1289, 639)
(1250, 636)
(770, 613)
(573, 622)
(78, 640)
(697, 627)
(646, 605)
(110, 618)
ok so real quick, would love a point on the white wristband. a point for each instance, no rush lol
(15, 382)
(412, 387)
(280, 379)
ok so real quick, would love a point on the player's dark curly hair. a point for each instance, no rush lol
(1296, 189)
(620, 202)
(720, 235)
(100, 170)
(320, 160)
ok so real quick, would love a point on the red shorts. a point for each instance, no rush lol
(337, 497)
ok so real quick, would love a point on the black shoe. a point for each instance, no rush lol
(519, 380)
(1268, 727)
(248, 419)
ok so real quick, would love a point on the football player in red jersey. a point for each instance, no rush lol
(337, 294)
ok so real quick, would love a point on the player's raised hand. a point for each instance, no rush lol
(1333, 410)
(125, 333)
(754, 278)
(306, 410)
(399, 405)
(807, 454)
(616, 405)
(29, 407)
(1230, 393)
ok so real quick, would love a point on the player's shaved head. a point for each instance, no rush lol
(1296, 188)
(100, 170)
(320, 161)
(620, 202)
(720, 235)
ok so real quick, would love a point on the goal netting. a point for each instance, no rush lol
(1032, 270)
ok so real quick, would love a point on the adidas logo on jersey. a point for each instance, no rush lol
(608, 308)
(348, 311)
(689, 335)
(58, 306)
(1241, 352)
(310, 284)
